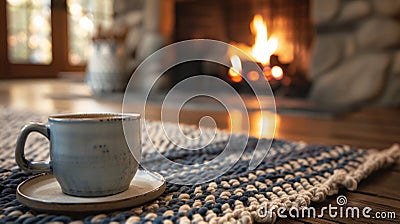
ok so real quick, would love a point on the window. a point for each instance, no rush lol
(45, 37)
(84, 16)
(29, 31)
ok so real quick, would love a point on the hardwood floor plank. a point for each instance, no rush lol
(340, 129)
(359, 200)
(289, 221)
(317, 221)
(396, 167)
(388, 186)
(334, 141)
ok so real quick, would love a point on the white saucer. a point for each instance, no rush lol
(44, 193)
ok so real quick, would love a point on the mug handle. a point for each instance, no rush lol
(23, 163)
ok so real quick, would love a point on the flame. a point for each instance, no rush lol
(263, 47)
(236, 69)
(261, 52)
(267, 73)
(277, 72)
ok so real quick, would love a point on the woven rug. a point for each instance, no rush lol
(292, 175)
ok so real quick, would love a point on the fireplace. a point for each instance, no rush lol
(277, 34)
(348, 51)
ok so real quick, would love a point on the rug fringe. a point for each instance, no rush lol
(375, 160)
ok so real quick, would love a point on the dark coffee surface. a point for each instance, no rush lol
(92, 116)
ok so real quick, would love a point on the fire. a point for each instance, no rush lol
(261, 51)
(236, 69)
(263, 47)
(277, 72)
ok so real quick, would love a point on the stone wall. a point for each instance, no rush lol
(356, 56)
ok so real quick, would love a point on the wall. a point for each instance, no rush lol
(356, 57)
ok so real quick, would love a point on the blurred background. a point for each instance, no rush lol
(333, 66)
(330, 55)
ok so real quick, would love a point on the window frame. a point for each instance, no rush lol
(59, 33)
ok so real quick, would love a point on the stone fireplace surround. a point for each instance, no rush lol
(356, 55)
(355, 59)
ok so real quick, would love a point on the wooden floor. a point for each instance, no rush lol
(368, 128)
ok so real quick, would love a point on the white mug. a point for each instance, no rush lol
(89, 155)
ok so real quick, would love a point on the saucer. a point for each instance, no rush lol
(43, 193)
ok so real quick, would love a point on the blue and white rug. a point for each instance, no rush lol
(292, 176)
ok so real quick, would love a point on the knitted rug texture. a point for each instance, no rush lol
(293, 174)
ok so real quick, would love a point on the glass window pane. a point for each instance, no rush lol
(29, 31)
(84, 16)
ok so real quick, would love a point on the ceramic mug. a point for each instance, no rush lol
(89, 155)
